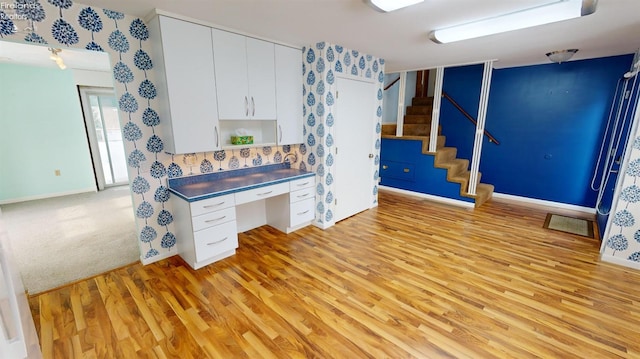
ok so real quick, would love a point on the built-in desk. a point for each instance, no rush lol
(211, 209)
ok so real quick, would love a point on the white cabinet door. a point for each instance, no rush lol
(230, 54)
(245, 75)
(186, 86)
(289, 95)
(262, 79)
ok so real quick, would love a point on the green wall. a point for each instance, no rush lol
(41, 131)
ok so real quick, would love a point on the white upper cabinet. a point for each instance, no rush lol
(183, 52)
(289, 95)
(245, 76)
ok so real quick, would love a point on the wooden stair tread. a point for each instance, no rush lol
(416, 119)
(417, 126)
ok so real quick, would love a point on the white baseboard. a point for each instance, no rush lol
(321, 225)
(48, 195)
(445, 200)
(620, 261)
(542, 202)
(157, 258)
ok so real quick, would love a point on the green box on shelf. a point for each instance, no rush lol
(241, 140)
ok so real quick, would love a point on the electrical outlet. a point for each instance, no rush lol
(57, 172)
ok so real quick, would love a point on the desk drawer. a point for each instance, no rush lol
(302, 211)
(212, 241)
(212, 204)
(302, 183)
(213, 218)
(301, 195)
(261, 193)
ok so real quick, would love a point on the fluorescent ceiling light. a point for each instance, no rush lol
(540, 15)
(390, 5)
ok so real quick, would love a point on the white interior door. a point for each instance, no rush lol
(354, 129)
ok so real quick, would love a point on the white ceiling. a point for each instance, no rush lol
(401, 37)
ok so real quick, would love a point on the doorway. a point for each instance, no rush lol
(355, 126)
(100, 112)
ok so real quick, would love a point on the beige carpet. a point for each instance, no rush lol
(60, 240)
(579, 226)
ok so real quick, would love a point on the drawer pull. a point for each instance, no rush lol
(384, 167)
(301, 213)
(216, 242)
(406, 170)
(214, 205)
(215, 219)
(264, 194)
(303, 184)
(303, 195)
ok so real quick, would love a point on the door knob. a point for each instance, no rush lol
(371, 155)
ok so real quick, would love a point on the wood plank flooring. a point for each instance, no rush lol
(408, 279)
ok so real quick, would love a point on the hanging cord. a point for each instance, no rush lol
(604, 142)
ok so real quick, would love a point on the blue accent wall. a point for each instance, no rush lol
(404, 166)
(549, 119)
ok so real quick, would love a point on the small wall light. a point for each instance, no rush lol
(55, 57)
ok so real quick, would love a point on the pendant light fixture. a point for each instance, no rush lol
(561, 56)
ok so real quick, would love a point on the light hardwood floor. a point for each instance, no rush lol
(410, 278)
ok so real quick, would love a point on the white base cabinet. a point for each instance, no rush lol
(207, 230)
(295, 210)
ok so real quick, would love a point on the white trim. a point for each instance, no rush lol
(482, 116)
(369, 80)
(435, 111)
(401, 108)
(619, 261)
(542, 202)
(459, 64)
(431, 197)
(322, 225)
(48, 195)
(157, 258)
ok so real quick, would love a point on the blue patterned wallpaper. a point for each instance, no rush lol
(622, 242)
(65, 24)
(321, 64)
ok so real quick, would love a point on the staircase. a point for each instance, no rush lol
(417, 126)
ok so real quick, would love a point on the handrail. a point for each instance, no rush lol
(469, 117)
(392, 83)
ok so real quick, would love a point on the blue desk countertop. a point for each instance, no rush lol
(199, 187)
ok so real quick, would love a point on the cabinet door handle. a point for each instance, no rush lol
(384, 167)
(301, 213)
(303, 184)
(253, 107)
(215, 129)
(216, 242)
(280, 138)
(215, 219)
(214, 205)
(246, 106)
(406, 170)
(303, 195)
(264, 194)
